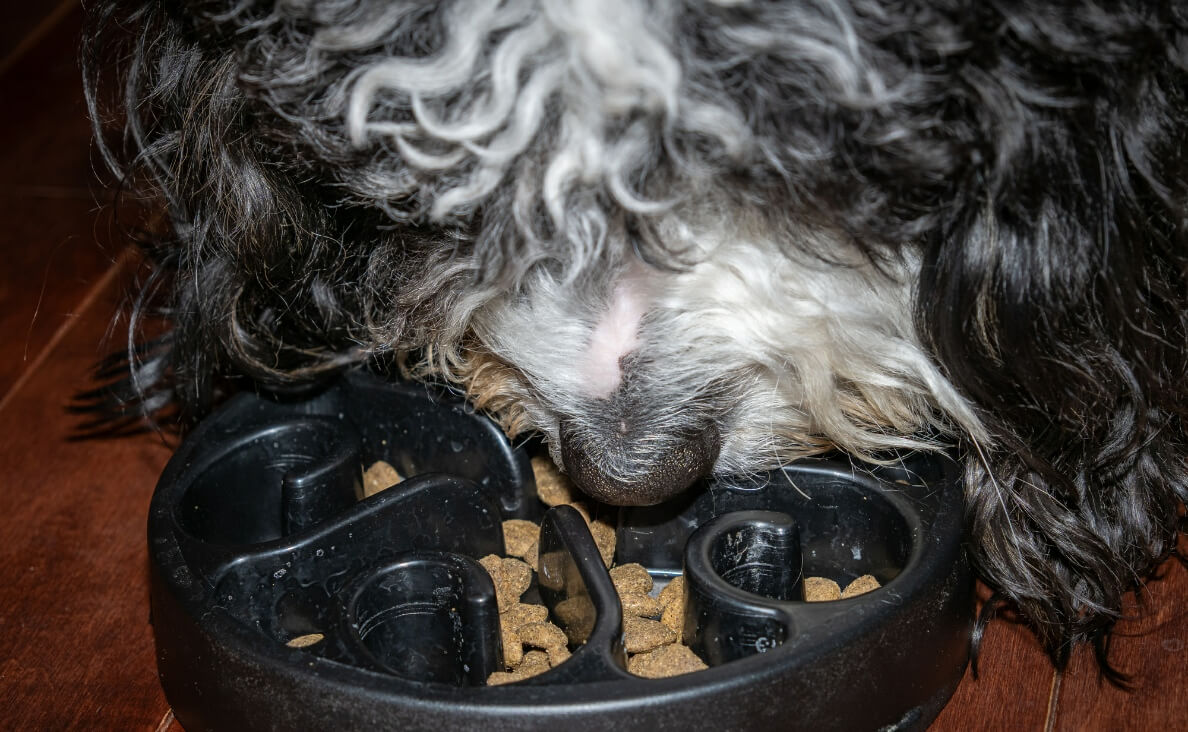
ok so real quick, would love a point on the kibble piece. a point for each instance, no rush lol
(641, 635)
(644, 606)
(305, 641)
(519, 536)
(511, 578)
(574, 610)
(542, 635)
(670, 660)
(673, 618)
(672, 599)
(379, 477)
(821, 589)
(518, 573)
(558, 655)
(674, 591)
(552, 486)
(522, 614)
(536, 661)
(532, 555)
(861, 586)
(631, 579)
(533, 664)
(577, 617)
(513, 647)
(493, 563)
(499, 678)
(604, 539)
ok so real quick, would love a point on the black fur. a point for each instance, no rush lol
(1039, 167)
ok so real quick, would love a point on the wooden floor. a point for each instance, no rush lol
(75, 641)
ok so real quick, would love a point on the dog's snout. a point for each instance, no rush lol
(659, 478)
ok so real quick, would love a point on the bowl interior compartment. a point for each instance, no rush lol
(851, 530)
(428, 617)
(848, 526)
(273, 482)
(760, 556)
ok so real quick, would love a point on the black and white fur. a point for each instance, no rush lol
(719, 235)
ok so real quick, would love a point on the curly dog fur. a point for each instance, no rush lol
(716, 232)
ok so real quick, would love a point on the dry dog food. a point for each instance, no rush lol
(642, 606)
(670, 660)
(641, 635)
(860, 586)
(305, 641)
(532, 664)
(522, 614)
(380, 476)
(522, 625)
(577, 617)
(823, 589)
(631, 579)
(521, 539)
(512, 578)
(652, 625)
(672, 604)
(604, 539)
(552, 487)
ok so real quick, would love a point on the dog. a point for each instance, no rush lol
(699, 237)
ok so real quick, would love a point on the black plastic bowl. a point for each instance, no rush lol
(257, 538)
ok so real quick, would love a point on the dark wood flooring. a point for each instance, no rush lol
(75, 641)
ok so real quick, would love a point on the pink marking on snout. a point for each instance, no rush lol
(615, 335)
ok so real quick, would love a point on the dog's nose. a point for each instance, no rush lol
(661, 478)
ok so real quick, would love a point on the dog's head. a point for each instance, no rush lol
(680, 238)
(740, 355)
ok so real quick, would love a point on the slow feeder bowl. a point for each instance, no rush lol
(257, 537)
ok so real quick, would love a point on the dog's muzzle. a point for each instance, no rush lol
(668, 475)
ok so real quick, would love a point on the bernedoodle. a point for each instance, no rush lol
(693, 237)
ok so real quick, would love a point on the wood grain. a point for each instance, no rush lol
(1014, 687)
(51, 262)
(52, 245)
(75, 642)
(25, 24)
(1152, 647)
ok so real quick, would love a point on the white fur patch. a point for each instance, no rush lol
(785, 353)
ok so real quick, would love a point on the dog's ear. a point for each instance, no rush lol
(258, 260)
(1057, 302)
